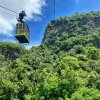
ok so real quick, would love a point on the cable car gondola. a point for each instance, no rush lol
(22, 29)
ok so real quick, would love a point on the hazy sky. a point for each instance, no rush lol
(40, 13)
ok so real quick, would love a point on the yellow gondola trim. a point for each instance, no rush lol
(22, 35)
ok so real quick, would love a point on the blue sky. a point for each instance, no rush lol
(62, 8)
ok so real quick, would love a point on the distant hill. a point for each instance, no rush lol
(66, 66)
(84, 26)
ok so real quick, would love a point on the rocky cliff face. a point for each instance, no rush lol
(76, 25)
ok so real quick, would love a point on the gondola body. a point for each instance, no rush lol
(22, 33)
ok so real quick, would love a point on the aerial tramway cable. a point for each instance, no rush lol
(7, 13)
(8, 9)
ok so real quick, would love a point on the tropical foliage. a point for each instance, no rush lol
(66, 66)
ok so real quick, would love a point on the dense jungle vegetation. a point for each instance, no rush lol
(66, 66)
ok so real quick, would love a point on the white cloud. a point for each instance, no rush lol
(7, 21)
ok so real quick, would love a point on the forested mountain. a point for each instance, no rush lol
(66, 66)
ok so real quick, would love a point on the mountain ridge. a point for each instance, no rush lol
(78, 23)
